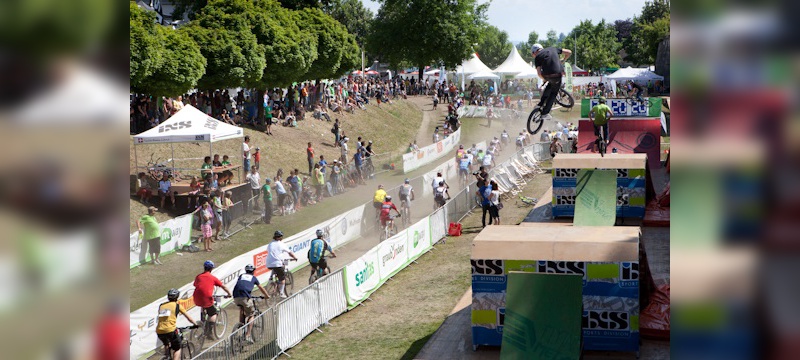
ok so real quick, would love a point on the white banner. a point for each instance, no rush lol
(361, 277)
(175, 233)
(338, 231)
(392, 255)
(430, 153)
(419, 240)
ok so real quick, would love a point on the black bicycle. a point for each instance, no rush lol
(601, 142)
(240, 337)
(187, 347)
(535, 121)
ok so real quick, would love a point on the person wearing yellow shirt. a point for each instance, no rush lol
(377, 200)
(167, 329)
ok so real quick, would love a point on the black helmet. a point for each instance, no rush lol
(320, 233)
(249, 269)
(277, 234)
(173, 294)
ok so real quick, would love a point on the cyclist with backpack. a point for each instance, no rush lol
(166, 329)
(406, 193)
(439, 195)
(316, 253)
(242, 296)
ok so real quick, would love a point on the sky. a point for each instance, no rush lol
(520, 17)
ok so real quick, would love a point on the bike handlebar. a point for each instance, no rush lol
(183, 328)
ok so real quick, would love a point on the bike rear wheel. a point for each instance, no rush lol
(564, 99)
(535, 121)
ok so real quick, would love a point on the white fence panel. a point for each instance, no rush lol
(332, 300)
(297, 317)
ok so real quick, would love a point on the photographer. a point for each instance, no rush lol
(482, 176)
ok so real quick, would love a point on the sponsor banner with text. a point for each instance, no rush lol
(175, 233)
(430, 153)
(419, 239)
(392, 255)
(361, 278)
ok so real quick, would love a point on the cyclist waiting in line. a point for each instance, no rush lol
(464, 166)
(242, 296)
(204, 285)
(275, 251)
(167, 330)
(600, 115)
(316, 253)
(386, 209)
(406, 193)
(548, 65)
(460, 153)
(439, 195)
(377, 200)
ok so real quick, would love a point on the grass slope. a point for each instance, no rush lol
(391, 127)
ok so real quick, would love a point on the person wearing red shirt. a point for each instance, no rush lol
(310, 153)
(386, 209)
(204, 285)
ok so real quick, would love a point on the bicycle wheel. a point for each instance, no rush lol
(535, 121)
(187, 350)
(602, 147)
(564, 99)
(258, 327)
(198, 337)
(221, 325)
(313, 278)
(289, 283)
(272, 291)
(237, 339)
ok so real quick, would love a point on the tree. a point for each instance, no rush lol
(163, 62)
(145, 47)
(525, 48)
(425, 32)
(597, 45)
(289, 52)
(648, 29)
(493, 46)
(623, 28)
(334, 44)
(235, 58)
(353, 15)
(552, 39)
(561, 37)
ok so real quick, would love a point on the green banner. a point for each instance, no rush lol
(596, 198)
(542, 317)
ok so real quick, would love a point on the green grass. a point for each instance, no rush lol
(406, 311)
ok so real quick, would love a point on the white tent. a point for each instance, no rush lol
(483, 75)
(514, 64)
(471, 66)
(630, 73)
(188, 125)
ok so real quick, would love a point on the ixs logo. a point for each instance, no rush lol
(565, 199)
(629, 274)
(176, 126)
(364, 275)
(566, 173)
(396, 249)
(561, 267)
(622, 173)
(260, 262)
(487, 267)
(605, 320)
(211, 123)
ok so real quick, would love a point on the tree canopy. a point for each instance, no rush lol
(353, 15)
(597, 45)
(423, 32)
(647, 30)
(493, 46)
(164, 62)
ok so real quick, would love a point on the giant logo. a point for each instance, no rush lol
(176, 126)
(487, 267)
(605, 320)
(561, 267)
(364, 275)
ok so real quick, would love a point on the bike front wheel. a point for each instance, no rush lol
(602, 147)
(564, 99)
(187, 350)
(289, 283)
(535, 121)
(258, 327)
(221, 325)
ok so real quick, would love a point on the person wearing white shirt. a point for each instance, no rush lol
(254, 179)
(246, 154)
(275, 251)
(488, 161)
(437, 180)
(343, 159)
(281, 191)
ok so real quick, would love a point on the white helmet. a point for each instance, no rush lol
(535, 47)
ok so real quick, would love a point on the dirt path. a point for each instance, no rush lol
(430, 118)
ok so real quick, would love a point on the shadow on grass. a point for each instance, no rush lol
(416, 346)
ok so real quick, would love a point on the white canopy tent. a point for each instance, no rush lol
(188, 125)
(484, 75)
(514, 64)
(471, 66)
(630, 73)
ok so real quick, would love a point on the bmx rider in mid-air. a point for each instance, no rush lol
(547, 62)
